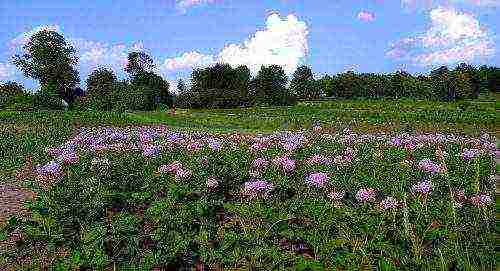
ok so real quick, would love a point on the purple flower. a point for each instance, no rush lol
(260, 163)
(318, 159)
(255, 147)
(429, 166)
(69, 158)
(150, 150)
(366, 195)
(53, 168)
(481, 200)
(422, 187)
(468, 154)
(317, 179)
(215, 145)
(396, 141)
(285, 163)
(255, 188)
(389, 203)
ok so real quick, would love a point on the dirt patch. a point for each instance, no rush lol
(11, 201)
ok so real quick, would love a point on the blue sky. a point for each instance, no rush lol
(329, 36)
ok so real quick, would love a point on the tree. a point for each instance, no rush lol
(100, 86)
(139, 62)
(49, 59)
(303, 84)
(270, 86)
(326, 85)
(8, 93)
(156, 89)
(442, 82)
(181, 86)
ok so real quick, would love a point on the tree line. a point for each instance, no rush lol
(51, 60)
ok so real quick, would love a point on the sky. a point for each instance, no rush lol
(330, 36)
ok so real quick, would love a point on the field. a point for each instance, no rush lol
(352, 185)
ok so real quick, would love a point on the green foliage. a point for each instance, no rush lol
(100, 86)
(51, 60)
(155, 89)
(13, 96)
(269, 86)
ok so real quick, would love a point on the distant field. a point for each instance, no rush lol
(31, 132)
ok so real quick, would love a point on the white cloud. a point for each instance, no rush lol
(184, 5)
(187, 60)
(451, 38)
(7, 71)
(428, 4)
(366, 16)
(283, 42)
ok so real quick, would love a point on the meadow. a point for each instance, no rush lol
(327, 185)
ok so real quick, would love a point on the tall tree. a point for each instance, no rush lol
(100, 86)
(303, 84)
(139, 62)
(270, 85)
(49, 59)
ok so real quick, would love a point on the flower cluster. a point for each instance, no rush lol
(317, 179)
(422, 187)
(481, 200)
(389, 203)
(286, 163)
(257, 188)
(366, 195)
(468, 154)
(175, 167)
(428, 166)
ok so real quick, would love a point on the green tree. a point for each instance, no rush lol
(303, 85)
(100, 87)
(269, 86)
(326, 85)
(49, 59)
(139, 62)
(156, 89)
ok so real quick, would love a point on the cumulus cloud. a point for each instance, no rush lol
(7, 71)
(366, 16)
(428, 4)
(452, 37)
(184, 5)
(187, 60)
(283, 42)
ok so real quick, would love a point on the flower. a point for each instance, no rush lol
(260, 163)
(285, 163)
(389, 203)
(255, 147)
(316, 128)
(194, 146)
(366, 195)
(481, 200)
(318, 159)
(468, 154)
(336, 195)
(53, 168)
(212, 183)
(172, 167)
(150, 150)
(429, 166)
(317, 179)
(182, 174)
(422, 187)
(255, 188)
(215, 145)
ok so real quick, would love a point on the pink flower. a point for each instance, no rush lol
(182, 174)
(429, 166)
(366, 195)
(481, 200)
(212, 183)
(172, 167)
(150, 150)
(69, 158)
(255, 147)
(317, 179)
(389, 203)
